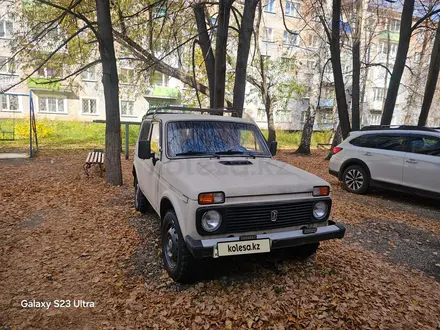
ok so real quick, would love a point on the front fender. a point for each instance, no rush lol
(181, 207)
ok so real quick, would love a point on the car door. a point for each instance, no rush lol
(384, 156)
(149, 173)
(422, 163)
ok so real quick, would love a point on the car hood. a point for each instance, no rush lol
(237, 176)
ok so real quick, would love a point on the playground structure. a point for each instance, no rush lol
(8, 134)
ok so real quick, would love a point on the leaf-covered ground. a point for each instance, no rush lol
(65, 236)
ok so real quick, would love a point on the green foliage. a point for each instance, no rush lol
(65, 134)
(292, 140)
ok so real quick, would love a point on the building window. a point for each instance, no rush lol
(325, 117)
(7, 65)
(291, 39)
(314, 41)
(375, 118)
(417, 58)
(292, 9)
(6, 29)
(395, 25)
(159, 12)
(50, 72)
(282, 116)
(126, 76)
(160, 79)
(261, 115)
(268, 35)
(89, 74)
(303, 116)
(269, 6)
(127, 108)
(51, 105)
(383, 47)
(378, 94)
(9, 102)
(89, 106)
(311, 64)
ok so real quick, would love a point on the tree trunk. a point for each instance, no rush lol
(306, 137)
(336, 140)
(431, 82)
(244, 42)
(356, 77)
(399, 64)
(220, 52)
(111, 94)
(271, 136)
(205, 45)
(335, 51)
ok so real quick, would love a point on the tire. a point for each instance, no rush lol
(179, 263)
(140, 201)
(307, 250)
(355, 179)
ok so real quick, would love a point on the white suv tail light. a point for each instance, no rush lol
(336, 150)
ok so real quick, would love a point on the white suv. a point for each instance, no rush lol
(404, 158)
(218, 192)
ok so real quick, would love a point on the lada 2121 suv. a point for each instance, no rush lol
(218, 191)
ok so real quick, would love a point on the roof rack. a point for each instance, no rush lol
(170, 109)
(400, 127)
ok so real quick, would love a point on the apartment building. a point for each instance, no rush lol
(304, 43)
(80, 98)
(380, 41)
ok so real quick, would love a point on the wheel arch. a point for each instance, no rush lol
(353, 161)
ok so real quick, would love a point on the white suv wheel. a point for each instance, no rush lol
(355, 179)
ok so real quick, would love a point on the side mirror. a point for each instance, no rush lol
(144, 150)
(273, 147)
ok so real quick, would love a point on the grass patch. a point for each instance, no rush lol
(60, 134)
(88, 135)
(291, 140)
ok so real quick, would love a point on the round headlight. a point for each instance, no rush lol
(211, 220)
(320, 210)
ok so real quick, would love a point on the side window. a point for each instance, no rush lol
(389, 142)
(155, 138)
(426, 145)
(362, 141)
(145, 131)
(248, 140)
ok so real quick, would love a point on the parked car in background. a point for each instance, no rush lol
(404, 158)
(218, 191)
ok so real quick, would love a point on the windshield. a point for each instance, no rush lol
(214, 138)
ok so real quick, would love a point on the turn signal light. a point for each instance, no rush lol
(321, 191)
(212, 198)
(336, 150)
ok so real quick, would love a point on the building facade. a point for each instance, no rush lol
(296, 36)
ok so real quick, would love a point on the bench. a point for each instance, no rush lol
(323, 145)
(94, 158)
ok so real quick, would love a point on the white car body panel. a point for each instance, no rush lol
(405, 168)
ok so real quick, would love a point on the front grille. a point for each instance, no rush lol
(252, 218)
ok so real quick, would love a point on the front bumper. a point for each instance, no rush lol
(205, 248)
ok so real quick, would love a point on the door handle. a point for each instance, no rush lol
(368, 154)
(411, 161)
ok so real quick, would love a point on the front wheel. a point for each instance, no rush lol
(355, 179)
(140, 201)
(177, 259)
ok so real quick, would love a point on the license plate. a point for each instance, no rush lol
(241, 247)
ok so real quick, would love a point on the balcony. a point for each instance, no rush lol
(326, 103)
(45, 84)
(160, 92)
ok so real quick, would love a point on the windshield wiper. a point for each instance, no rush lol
(235, 152)
(196, 153)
